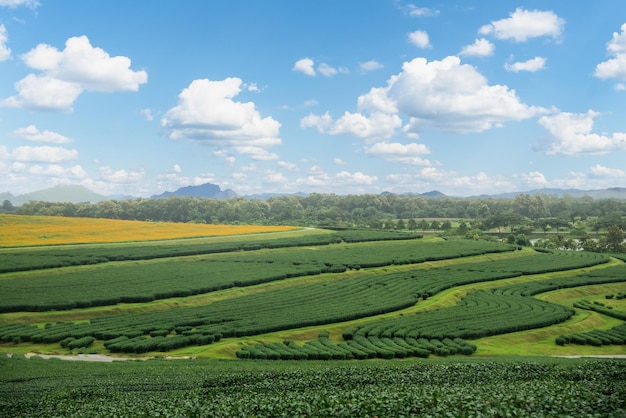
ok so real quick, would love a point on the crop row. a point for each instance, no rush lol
(601, 308)
(537, 388)
(161, 279)
(65, 256)
(336, 300)
(483, 313)
(615, 335)
(359, 348)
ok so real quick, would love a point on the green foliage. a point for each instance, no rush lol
(542, 387)
(353, 297)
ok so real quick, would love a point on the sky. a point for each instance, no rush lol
(348, 97)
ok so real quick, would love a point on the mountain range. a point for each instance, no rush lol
(81, 194)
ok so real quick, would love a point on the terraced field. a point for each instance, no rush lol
(308, 295)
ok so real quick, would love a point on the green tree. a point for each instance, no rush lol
(615, 239)
(7, 207)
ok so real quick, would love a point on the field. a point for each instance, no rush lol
(48, 230)
(411, 324)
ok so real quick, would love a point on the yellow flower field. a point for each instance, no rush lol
(16, 230)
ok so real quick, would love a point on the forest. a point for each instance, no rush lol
(372, 210)
(553, 221)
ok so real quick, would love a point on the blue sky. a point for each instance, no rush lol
(465, 97)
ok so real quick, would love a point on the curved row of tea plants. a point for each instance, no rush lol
(299, 305)
(497, 311)
(13, 260)
(359, 348)
(596, 337)
(175, 277)
(515, 387)
(601, 308)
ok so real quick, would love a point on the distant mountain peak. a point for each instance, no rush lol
(206, 190)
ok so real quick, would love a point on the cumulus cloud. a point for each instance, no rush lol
(44, 153)
(305, 66)
(54, 170)
(450, 182)
(572, 135)
(480, 48)
(400, 153)
(31, 133)
(377, 125)
(525, 24)
(420, 39)
(534, 179)
(606, 172)
(122, 176)
(370, 65)
(66, 74)
(206, 112)
(531, 65)
(445, 95)
(453, 97)
(5, 51)
(616, 66)
(320, 180)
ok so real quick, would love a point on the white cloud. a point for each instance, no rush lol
(321, 181)
(614, 67)
(147, 113)
(421, 11)
(275, 178)
(450, 182)
(31, 133)
(420, 39)
(525, 24)
(305, 66)
(606, 172)
(377, 125)
(571, 133)
(480, 48)
(15, 3)
(531, 65)
(66, 74)
(339, 161)
(44, 153)
(287, 165)
(122, 176)
(54, 170)
(5, 51)
(177, 169)
(206, 112)
(370, 65)
(256, 153)
(446, 95)
(453, 97)
(400, 153)
(534, 179)
(326, 70)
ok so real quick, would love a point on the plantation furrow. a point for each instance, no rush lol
(144, 282)
(311, 304)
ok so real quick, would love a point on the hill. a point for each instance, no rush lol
(206, 190)
(61, 193)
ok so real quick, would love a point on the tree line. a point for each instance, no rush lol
(371, 210)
